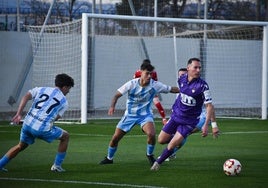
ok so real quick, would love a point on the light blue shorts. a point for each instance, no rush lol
(28, 135)
(201, 121)
(128, 122)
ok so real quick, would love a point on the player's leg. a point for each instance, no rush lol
(118, 135)
(112, 148)
(168, 151)
(160, 109)
(12, 153)
(173, 155)
(196, 129)
(181, 133)
(149, 129)
(25, 140)
(164, 137)
(167, 134)
(57, 133)
(61, 154)
(124, 126)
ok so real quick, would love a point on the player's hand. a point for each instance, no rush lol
(16, 119)
(215, 132)
(204, 130)
(111, 111)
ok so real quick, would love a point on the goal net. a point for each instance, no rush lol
(113, 47)
(57, 49)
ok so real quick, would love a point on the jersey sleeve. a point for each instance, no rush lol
(207, 94)
(127, 86)
(63, 109)
(161, 88)
(34, 91)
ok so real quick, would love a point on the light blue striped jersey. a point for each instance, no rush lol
(139, 99)
(47, 103)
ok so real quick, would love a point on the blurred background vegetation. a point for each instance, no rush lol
(15, 14)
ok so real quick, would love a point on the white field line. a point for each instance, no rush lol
(239, 132)
(79, 182)
(102, 135)
(108, 184)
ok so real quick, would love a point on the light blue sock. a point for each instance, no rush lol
(3, 161)
(59, 158)
(111, 152)
(150, 149)
(182, 144)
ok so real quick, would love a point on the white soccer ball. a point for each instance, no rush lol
(232, 167)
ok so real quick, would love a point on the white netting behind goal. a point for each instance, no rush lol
(231, 58)
(57, 49)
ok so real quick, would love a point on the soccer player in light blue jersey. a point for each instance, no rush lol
(49, 104)
(140, 93)
(156, 100)
(186, 110)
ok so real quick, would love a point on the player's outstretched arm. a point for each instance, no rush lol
(174, 89)
(16, 119)
(209, 109)
(113, 103)
(214, 126)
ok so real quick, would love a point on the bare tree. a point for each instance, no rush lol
(39, 10)
(62, 10)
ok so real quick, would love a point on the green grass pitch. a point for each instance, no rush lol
(198, 164)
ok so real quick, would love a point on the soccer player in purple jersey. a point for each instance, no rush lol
(49, 104)
(202, 119)
(194, 93)
(140, 93)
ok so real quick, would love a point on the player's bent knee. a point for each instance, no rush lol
(162, 140)
(65, 136)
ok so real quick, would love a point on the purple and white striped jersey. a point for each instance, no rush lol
(193, 95)
(139, 99)
(47, 103)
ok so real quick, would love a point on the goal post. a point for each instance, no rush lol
(264, 73)
(235, 58)
(84, 68)
(101, 52)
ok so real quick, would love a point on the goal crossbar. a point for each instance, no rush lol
(85, 34)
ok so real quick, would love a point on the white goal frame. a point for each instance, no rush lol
(84, 46)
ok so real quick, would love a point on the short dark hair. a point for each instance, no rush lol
(182, 69)
(146, 65)
(63, 79)
(193, 59)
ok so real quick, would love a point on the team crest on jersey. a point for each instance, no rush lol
(193, 91)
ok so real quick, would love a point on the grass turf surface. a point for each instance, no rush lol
(198, 163)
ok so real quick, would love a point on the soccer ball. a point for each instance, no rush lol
(232, 167)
